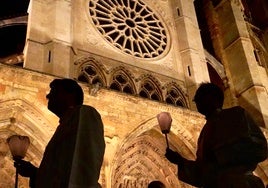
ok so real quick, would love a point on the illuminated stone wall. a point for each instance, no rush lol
(135, 145)
(100, 42)
(135, 149)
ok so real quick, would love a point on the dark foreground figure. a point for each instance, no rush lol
(74, 155)
(229, 147)
(156, 184)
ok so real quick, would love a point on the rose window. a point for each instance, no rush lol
(130, 26)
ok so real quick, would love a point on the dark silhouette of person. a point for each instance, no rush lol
(156, 184)
(74, 155)
(229, 146)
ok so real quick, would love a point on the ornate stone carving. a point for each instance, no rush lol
(130, 26)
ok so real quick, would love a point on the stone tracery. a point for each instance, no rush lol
(123, 79)
(130, 26)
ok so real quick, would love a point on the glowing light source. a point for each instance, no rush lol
(18, 146)
(164, 121)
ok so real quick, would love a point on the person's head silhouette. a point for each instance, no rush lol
(208, 98)
(156, 184)
(64, 93)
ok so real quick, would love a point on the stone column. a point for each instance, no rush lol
(240, 62)
(190, 46)
(48, 42)
(215, 35)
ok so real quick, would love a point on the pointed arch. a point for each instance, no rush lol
(19, 116)
(150, 88)
(122, 80)
(175, 95)
(91, 71)
(216, 71)
(140, 157)
(219, 68)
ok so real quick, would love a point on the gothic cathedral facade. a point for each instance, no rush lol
(135, 59)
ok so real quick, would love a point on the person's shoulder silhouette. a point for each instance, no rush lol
(156, 184)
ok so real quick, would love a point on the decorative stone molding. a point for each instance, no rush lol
(130, 26)
(133, 80)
